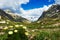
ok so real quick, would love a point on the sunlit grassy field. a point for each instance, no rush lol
(39, 30)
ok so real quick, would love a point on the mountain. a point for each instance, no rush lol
(51, 17)
(5, 15)
(8, 14)
(52, 12)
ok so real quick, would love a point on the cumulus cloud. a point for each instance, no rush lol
(33, 14)
(57, 1)
(14, 4)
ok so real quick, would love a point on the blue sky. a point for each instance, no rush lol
(28, 8)
(36, 4)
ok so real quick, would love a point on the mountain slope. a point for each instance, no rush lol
(49, 18)
(52, 12)
(5, 15)
(11, 16)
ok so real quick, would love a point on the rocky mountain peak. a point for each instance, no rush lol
(52, 12)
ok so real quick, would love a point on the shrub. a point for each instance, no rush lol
(45, 35)
(42, 36)
(16, 32)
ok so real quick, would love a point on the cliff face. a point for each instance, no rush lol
(5, 15)
(51, 17)
(12, 16)
(52, 12)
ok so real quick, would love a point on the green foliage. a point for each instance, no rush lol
(20, 35)
(42, 36)
(16, 30)
(3, 37)
(13, 31)
(45, 35)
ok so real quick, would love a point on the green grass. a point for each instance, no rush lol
(44, 30)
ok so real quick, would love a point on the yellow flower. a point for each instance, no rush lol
(11, 26)
(26, 33)
(15, 31)
(10, 32)
(7, 22)
(21, 25)
(33, 30)
(16, 25)
(5, 28)
(24, 27)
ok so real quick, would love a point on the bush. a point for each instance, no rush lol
(42, 36)
(3, 37)
(16, 32)
(55, 35)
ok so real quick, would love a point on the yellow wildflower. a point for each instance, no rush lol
(21, 25)
(7, 22)
(15, 31)
(5, 28)
(24, 27)
(26, 33)
(11, 26)
(10, 32)
(16, 25)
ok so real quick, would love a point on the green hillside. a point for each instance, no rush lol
(47, 27)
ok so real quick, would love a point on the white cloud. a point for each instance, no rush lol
(14, 4)
(33, 14)
(57, 1)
